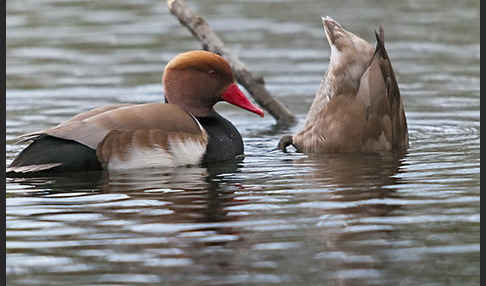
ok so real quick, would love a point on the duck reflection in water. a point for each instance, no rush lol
(353, 200)
(181, 207)
(184, 187)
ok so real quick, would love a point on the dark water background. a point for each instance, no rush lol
(273, 218)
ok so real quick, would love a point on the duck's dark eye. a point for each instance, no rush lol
(212, 72)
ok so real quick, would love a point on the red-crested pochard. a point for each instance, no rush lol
(185, 130)
(358, 107)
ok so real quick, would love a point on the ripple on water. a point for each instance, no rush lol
(272, 218)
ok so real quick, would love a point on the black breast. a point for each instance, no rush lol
(224, 142)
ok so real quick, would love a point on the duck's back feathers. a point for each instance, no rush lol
(91, 130)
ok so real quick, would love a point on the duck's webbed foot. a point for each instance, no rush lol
(284, 142)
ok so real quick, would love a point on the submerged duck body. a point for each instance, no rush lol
(358, 107)
(186, 130)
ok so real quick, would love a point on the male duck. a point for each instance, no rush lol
(186, 130)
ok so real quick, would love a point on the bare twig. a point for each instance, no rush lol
(211, 42)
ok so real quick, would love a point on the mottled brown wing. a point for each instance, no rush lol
(397, 110)
(380, 92)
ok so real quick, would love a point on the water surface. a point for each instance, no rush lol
(271, 218)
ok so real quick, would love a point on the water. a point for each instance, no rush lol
(272, 218)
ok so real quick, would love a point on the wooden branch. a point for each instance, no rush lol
(211, 42)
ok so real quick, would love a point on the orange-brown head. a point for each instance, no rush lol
(197, 80)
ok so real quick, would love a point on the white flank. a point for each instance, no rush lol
(142, 158)
(182, 153)
(186, 152)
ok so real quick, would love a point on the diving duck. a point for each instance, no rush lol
(358, 107)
